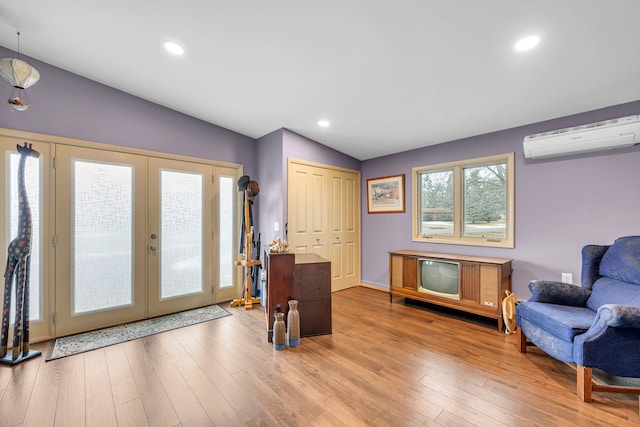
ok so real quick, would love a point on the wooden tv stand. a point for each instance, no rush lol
(483, 281)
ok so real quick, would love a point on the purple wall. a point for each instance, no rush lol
(561, 204)
(67, 105)
(272, 181)
(273, 153)
(298, 147)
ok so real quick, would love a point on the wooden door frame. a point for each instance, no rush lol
(49, 202)
(40, 330)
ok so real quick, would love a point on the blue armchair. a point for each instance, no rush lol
(596, 325)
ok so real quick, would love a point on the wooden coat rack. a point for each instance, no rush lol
(247, 300)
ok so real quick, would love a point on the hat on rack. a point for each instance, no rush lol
(253, 189)
(243, 182)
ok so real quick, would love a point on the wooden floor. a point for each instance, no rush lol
(385, 365)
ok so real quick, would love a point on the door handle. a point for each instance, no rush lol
(153, 248)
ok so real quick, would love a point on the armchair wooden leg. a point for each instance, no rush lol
(522, 341)
(584, 383)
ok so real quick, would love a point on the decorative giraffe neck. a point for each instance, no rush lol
(24, 208)
(18, 262)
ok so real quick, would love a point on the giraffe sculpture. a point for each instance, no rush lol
(18, 262)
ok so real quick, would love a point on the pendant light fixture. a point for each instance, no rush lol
(20, 75)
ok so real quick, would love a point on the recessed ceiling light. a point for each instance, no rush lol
(527, 43)
(174, 48)
(324, 123)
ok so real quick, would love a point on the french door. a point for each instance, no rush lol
(145, 236)
(100, 238)
(179, 236)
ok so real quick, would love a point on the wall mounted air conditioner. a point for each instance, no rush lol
(605, 135)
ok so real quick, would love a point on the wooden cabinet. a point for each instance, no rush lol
(279, 288)
(482, 281)
(303, 277)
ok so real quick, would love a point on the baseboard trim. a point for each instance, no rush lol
(375, 288)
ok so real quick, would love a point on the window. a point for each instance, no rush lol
(467, 203)
(227, 186)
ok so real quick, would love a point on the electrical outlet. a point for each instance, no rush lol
(567, 278)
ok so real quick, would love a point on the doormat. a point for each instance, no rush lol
(87, 341)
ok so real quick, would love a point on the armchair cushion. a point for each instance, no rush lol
(612, 291)
(622, 260)
(558, 293)
(563, 321)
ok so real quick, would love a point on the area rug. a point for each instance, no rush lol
(88, 341)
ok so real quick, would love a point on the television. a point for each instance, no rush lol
(439, 278)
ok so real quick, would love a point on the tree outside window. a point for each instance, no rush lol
(468, 202)
(485, 202)
(437, 203)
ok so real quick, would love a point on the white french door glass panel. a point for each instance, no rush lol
(102, 251)
(228, 276)
(225, 226)
(182, 228)
(100, 232)
(37, 194)
(179, 235)
(33, 181)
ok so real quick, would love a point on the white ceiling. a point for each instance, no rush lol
(390, 75)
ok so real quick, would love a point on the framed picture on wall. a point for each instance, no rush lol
(385, 194)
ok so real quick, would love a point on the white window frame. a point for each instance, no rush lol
(458, 203)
